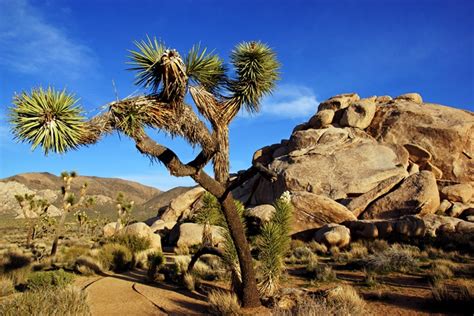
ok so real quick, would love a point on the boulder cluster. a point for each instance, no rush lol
(377, 167)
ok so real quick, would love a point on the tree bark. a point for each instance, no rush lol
(221, 158)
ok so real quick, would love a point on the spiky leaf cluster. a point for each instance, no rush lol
(47, 118)
(256, 67)
(205, 69)
(210, 212)
(146, 61)
(158, 68)
(273, 244)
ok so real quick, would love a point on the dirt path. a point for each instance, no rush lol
(127, 294)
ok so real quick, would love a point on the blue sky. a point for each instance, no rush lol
(325, 47)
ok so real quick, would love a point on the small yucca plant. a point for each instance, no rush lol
(273, 244)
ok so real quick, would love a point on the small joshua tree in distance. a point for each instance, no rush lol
(124, 211)
(51, 119)
(70, 203)
(32, 209)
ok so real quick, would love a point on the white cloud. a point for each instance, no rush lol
(288, 101)
(159, 180)
(29, 44)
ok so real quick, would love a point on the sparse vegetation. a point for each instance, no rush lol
(6, 286)
(133, 242)
(459, 296)
(52, 301)
(400, 258)
(320, 272)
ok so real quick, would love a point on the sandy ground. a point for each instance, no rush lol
(127, 294)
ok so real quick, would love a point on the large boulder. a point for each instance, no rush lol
(111, 229)
(313, 211)
(359, 114)
(334, 162)
(160, 224)
(358, 204)
(143, 230)
(333, 235)
(447, 133)
(418, 194)
(190, 234)
(263, 213)
(180, 207)
(458, 193)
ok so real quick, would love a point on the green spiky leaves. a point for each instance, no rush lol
(146, 62)
(257, 71)
(205, 69)
(48, 118)
(158, 67)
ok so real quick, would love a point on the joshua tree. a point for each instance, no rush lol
(32, 210)
(124, 211)
(51, 119)
(70, 203)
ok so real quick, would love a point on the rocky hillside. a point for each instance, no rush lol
(380, 167)
(47, 186)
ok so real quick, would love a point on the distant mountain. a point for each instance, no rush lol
(104, 190)
(164, 198)
(95, 185)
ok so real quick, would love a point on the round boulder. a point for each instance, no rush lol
(333, 235)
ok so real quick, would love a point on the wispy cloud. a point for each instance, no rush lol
(289, 101)
(29, 44)
(160, 180)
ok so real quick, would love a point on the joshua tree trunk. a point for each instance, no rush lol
(221, 158)
(58, 234)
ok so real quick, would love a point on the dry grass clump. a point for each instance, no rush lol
(376, 245)
(190, 281)
(397, 258)
(69, 255)
(459, 295)
(88, 265)
(440, 270)
(320, 272)
(53, 301)
(318, 248)
(342, 300)
(115, 257)
(301, 254)
(6, 286)
(223, 303)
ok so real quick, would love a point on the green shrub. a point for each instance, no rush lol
(115, 257)
(132, 242)
(155, 261)
(47, 279)
(51, 301)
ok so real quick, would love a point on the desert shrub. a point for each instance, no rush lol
(302, 253)
(88, 265)
(397, 258)
(6, 286)
(47, 279)
(342, 301)
(346, 300)
(320, 272)
(132, 242)
(189, 281)
(154, 262)
(115, 257)
(455, 296)
(376, 245)
(370, 278)
(182, 250)
(295, 243)
(318, 248)
(358, 251)
(223, 303)
(68, 255)
(439, 271)
(67, 301)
